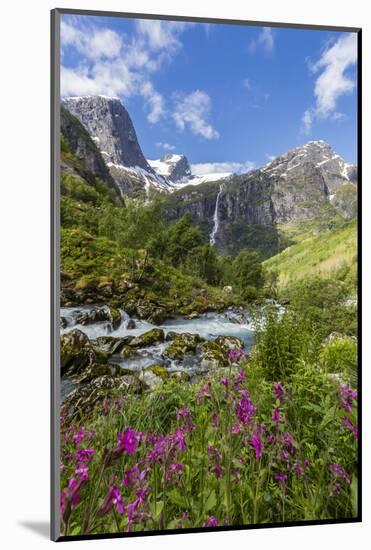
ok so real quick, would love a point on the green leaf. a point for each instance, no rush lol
(156, 509)
(210, 501)
(176, 498)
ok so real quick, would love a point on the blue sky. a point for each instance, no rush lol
(229, 97)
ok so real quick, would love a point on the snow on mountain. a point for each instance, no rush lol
(177, 170)
(314, 155)
(205, 178)
(175, 167)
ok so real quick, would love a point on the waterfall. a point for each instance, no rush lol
(216, 218)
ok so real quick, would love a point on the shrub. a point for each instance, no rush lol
(339, 355)
(282, 340)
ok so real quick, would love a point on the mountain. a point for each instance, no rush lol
(314, 155)
(304, 191)
(174, 167)
(111, 128)
(86, 161)
(309, 188)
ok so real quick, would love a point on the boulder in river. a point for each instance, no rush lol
(130, 324)
(151, 338)
(76, 352)
(229, 342)
(183, 344)
(95, 315)
(111, 344)
(100, 314)
(115, 317)
(158, 316)
(213, 355)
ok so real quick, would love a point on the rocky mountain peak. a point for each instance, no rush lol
(174, 167)
(313, 157)
(111, 128)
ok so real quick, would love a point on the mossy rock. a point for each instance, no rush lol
(86, 283)
(76, 352)
(130, 324)
(158, 316)
(111, 344)
(145, 309)
(95, 315)
(150, 379)
(128, 352)
(229, 342)
(158, 370)
(130, 307)
(150, 338)
(180, 375)
(115, 317)
(183, 344)
(85, 399)
(170, 335)
(105, 287)
(93, 371)
(193, 315)
(124, 285)
(212, 355)
(101, 356)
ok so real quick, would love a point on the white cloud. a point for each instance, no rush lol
(119, 66)
(204, 168)
(160, 34)
(166, 146)
(332, 82)
(265, 41)
(307, 120)
(155, 102)
(111, 78)
(246, 84)
(269, 157)
(92, 42)
(192, 110)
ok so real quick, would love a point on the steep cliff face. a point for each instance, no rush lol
(243, 215)
(112, 130)
(79, 142)
(110, 126)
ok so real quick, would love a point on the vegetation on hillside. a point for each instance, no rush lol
(101, 238)
(328, 253)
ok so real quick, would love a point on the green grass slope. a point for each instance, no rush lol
(330, 252)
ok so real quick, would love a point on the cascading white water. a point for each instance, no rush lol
(216, 218)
